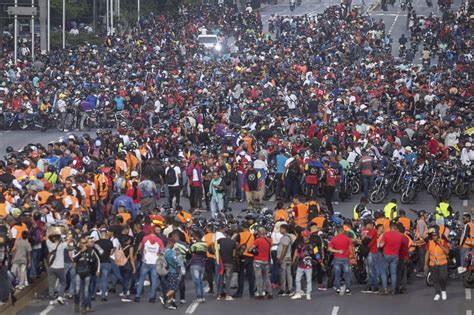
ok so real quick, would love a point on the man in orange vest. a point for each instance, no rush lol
(209, 239)
(467, 237)
(67, 172)
(245, 239)
(421, 234)
(281, 214)
(437, 251)
(300, 213)
(402, 218)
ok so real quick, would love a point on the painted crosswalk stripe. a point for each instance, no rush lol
(191, 308)
(469, 312)
(47, 310)
(335, 309)
(468, 294)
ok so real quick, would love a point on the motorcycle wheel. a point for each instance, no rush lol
(269, 191)
(407, 196)
(461, 190)
(397, 186)
(23, 126)
(468, 280)
(377, 196)
(69, 121)
(304, 189)
(429, 280)
(355, 187)
(360, 274)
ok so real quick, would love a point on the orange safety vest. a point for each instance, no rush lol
(125, 216)
(132, 163)
(249, 141)
(385, 222)
(405, 222)
(246, 237)
(185, 217)
(411, 244)
(42, 197)
(469, 242)
(19, 230)
(74, 202)
(187, 239)
(65, 173)
(120, 167)
(301, 215)
(319, 221)
(281, 214)
(3, 210)
(437, 256)
(209, 240)
(88, 198)
(101, 186)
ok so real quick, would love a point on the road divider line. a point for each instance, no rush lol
(335, 309)
(468, 294)
(464, 203)
(47, 310)
(468, 312)
(191, 308)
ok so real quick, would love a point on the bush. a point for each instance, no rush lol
(74, 41)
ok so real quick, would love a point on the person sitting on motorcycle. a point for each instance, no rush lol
(85, 107)
(360, 207)
(443, 211)
(402, 40)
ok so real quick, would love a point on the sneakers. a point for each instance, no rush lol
(126, 300)
(146, 283)
(281, 293)
(367, 290)
(437, 297)
(60, 300)
(308, 297)
(297, 296)
(162, 301)
(338, 291)
(202, 300)
(421, 275)
(444, 296)
(229, 298)
(182, 301)
(172, 306)
(348, 292)
(322, 288)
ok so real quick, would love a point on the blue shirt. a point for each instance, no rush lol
(280, 161)
(126, 202)
(171, 259)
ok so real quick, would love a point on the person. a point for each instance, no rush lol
(55, 269)
(443, 211)
(106, 248)
(252, 186)
(341, 246)
(21, 260)
(198, 252)
(303, 258)
(401, 286)
(366, 166)
(173, 182)
(284, 261)
(151, 245)
(86, 263)
(173, 277)
(127, 270)
(300, 212)
(312, 169)
(360, 207)
(404, 220)
(209, 239)
(436, 259)
(466, 242)
(261, 264)
(390, 242)
(245, 239)
(216, 192)
(329, 185)
(390, 209)
(369, 240)
(227, 250)
(421, 235)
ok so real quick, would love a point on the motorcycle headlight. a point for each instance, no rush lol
(452, 178)
(468, 173)
(415, 179)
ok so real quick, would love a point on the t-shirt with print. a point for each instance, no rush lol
(151, 245)
(305, 253)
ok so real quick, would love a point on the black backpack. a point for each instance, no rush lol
(171, 176)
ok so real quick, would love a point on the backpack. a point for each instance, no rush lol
(171, 176)
(161, 265)
(120, 258)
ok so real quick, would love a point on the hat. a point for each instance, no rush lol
(408, 148)
(134, 174)
(98, 143)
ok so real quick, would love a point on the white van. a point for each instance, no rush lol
(210, 41)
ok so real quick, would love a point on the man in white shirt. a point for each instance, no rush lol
(173, 180)
(467, 154)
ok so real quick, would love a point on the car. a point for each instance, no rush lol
(210, 41)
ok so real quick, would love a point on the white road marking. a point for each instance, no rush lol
(468, 312)
(464, 203)
(335, 309)
(191, 308)
(47, 310)
(8, 131)
(468, 294)
(394, 22)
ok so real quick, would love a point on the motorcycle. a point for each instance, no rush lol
(468, 277)
(411, 187)
(379, 191)
(270, 185)
(464, 183)
(292, 6)
(359, 269)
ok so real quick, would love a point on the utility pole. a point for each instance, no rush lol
(64, 24)
(33, 33)
(15, 37)
(49, 25)
(94, 15)
(43, 16)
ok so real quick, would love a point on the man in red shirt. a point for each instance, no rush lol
(329, 185)
(402, 261)
(369, 240)
(391, 242)
(341, 246)
(261, 264)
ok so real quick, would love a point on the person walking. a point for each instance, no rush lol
(329, 185)
(21, 260)
(173, 182)
(198, 252)
(227, 249)
(436, 259)
(284, 261)
(245, 239)
(216, 192)
(390, 242)
(55, 265)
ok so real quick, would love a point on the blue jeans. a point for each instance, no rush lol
(367, 183)
(126, 273)
(35, 260)
(82, 291)
(217, 205)
(70, 272)
(116, 275)
(197, 273)
(105, 269)
(144, 271)
(463, 255)
(390, 262)
(342, 265)
(372, 270)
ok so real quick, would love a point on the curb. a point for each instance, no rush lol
(25, 296)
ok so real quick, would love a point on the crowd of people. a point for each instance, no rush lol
(311, 100)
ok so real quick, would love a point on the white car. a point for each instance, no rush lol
(210, 41)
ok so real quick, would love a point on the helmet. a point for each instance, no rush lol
(9, 149)
(51, 168)
(134, 174)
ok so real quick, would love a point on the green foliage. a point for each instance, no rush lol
(74, 41)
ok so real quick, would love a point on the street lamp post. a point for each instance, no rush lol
(49, 25)
(64, 24)
(138, 9)
(15, 37)
(33, 32)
